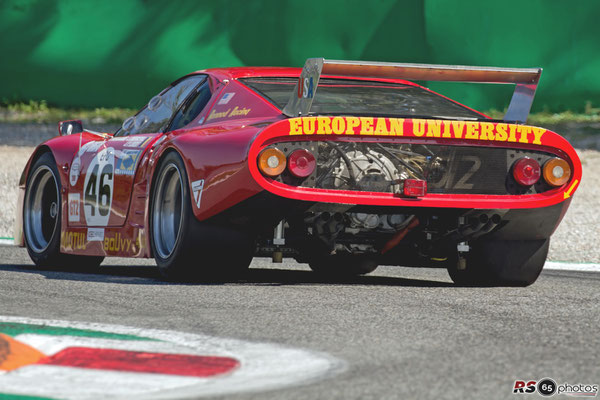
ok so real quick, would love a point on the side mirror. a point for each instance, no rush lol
(70, 127)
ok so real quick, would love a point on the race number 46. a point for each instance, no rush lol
(98, 188)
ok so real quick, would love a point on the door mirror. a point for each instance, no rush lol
(70, 127)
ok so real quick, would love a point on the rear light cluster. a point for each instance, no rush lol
(527, 171)
(301, 163)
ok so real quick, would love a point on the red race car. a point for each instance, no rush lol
(342, 165)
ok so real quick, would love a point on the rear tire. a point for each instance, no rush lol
(184, 248)
(42, 212)
(502, 263)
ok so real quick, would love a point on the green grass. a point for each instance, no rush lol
(41, 112)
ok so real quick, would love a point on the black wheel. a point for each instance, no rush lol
(42, 219)
(343, 265)
(183, 247)
(501, 263)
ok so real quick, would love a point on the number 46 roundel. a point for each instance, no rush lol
(98, 188)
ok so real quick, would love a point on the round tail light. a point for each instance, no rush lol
(301, 163)
(557, 172)
(271, 162)
(526, 171)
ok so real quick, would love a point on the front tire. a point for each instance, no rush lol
(42, 213)
(502, 263)
(184, 248)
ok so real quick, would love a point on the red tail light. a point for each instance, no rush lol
(526, 171)
(415, 188)
(301, 163)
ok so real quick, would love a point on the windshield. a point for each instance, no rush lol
(350, 97)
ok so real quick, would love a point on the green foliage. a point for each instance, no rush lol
(41, 112)
(544, 118)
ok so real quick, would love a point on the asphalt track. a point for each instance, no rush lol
(400, 333)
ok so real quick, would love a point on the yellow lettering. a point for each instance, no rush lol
(537, 134)
(381, 128)
(472, 130)
(525, 130)
(434, 128)
(487, 131)
(397, 127)
(501, 134)
(295, 126)
(338, 125)
(366, 125)
(352, 122)
(447, 125)
(309, 125)
(324, 126)
(73, 240)
(512, 136)
(419, 127)
(458, 127)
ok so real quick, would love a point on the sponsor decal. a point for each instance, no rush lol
(226, 98)
(547, 387)
(197, 187)
(230, 112)
(73, 204)
(118, 243)
(95, 234)
(75, 170)
(75, 360)
(126, 162)
(306, 87)
(98, 188)
(369, 126)
(137, 141)
(90, 147)
(72, 240)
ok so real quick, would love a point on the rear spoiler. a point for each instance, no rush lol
(525, 79)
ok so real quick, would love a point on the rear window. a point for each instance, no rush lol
(348, 97)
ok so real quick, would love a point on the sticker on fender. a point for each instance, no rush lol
(422, 128)
(197, 187)
(115, 361)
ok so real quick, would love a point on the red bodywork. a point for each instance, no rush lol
(222, 143)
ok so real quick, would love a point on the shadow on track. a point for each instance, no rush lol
(148, 275)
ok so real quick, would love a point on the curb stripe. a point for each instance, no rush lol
(136, 361)
(14, 354)
(262, 366)
(14, 329)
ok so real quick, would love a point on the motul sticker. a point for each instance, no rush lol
(197, 188)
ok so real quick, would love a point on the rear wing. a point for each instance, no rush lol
(525, 79)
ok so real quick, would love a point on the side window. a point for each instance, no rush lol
(194, 106)
(156, 115)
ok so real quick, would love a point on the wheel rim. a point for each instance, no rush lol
(41, 209)
(168, 202)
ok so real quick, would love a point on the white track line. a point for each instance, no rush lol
(7, 242)
(567, 266)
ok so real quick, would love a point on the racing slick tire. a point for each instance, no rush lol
(184, 248)
(343, 265)
(42, 214)
(502, 263)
